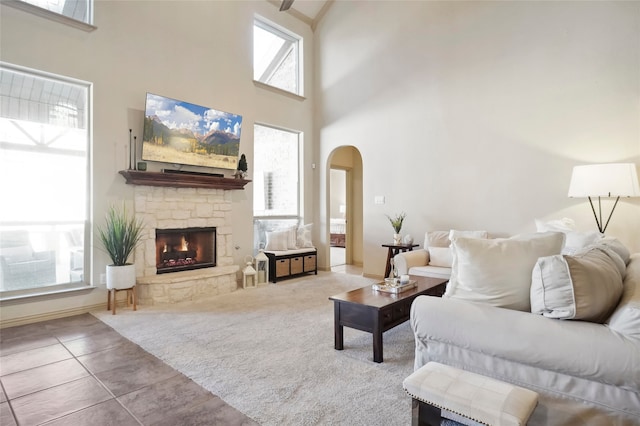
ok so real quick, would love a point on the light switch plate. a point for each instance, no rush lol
(378, 199)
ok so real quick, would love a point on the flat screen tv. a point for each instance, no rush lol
(180, 133)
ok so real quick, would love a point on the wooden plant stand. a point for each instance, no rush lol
(131, 298)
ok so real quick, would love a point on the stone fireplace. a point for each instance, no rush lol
(176, 209)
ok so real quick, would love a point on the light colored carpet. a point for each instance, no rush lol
(269, 353)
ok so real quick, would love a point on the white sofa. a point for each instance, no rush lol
(586, 373)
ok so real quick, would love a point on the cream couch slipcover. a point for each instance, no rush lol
(586, 373)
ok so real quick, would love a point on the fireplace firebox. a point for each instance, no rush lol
(185, 249)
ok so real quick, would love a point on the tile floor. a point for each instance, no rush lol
(79, 371)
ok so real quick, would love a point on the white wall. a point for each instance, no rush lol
(200, 52)
(471, 115)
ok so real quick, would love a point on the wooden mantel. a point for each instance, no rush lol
(182, 180)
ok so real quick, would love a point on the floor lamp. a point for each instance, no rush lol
(604, 181)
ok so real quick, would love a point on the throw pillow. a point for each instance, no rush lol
(574, 240)
(438, 244)
(585, 287)
(615, 245)
(626, 317)
(440, 256)
(498, 271)
(558, 225)
(304, 236)
(277, 241)
(436, 239)
(292, 237)
(454, 233)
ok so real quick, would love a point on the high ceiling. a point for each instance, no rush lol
(309, 8)
(309, 11)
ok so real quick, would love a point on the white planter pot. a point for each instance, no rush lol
(121, 277)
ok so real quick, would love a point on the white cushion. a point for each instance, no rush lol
(558, 225)
(304, 236)
(626, 318)
(574, 240)
(292, 237)
(615, 245)
(277, 240)
(498, 271)
(454, 233)
(440, 256)
(584, 287)
(431, 271)
(436, 239)
(438, 244)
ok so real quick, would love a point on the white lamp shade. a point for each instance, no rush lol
(604, 180)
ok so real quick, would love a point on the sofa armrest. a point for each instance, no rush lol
(405, 261)
(574, 348)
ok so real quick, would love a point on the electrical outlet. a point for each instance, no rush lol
(378, 199)
(103, 278)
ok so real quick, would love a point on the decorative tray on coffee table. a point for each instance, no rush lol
(391, 285)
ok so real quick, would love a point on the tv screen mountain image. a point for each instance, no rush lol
(179, 132)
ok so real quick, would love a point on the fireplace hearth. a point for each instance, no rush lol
(185, 249)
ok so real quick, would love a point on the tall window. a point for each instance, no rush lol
(276, 186)
(78, 13)
(44, 151)
(276, 57)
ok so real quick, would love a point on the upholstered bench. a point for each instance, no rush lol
(437, 387)
(291, 263)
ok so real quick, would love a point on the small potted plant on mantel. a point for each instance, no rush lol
(241, 173)
(119, 237)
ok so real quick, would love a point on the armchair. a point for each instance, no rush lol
(20, 266)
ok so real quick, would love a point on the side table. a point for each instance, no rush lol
(393, 250)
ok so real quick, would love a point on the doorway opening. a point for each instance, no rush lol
(338, 217)
(345, 210)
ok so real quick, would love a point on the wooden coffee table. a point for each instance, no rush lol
(375, 312)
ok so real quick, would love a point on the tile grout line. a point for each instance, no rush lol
(113, 396)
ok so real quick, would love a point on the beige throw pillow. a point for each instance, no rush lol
(586, 286)
(440, 256)
(498, 271)
(438, 244)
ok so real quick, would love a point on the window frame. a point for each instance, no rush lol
(43, 12)
(85, 283)
(289, 220)
(298, 48)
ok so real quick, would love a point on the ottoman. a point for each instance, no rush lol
(437, 387)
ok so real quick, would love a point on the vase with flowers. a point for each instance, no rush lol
(396, 223)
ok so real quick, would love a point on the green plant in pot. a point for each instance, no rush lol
(120, 235)
(396, 223)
